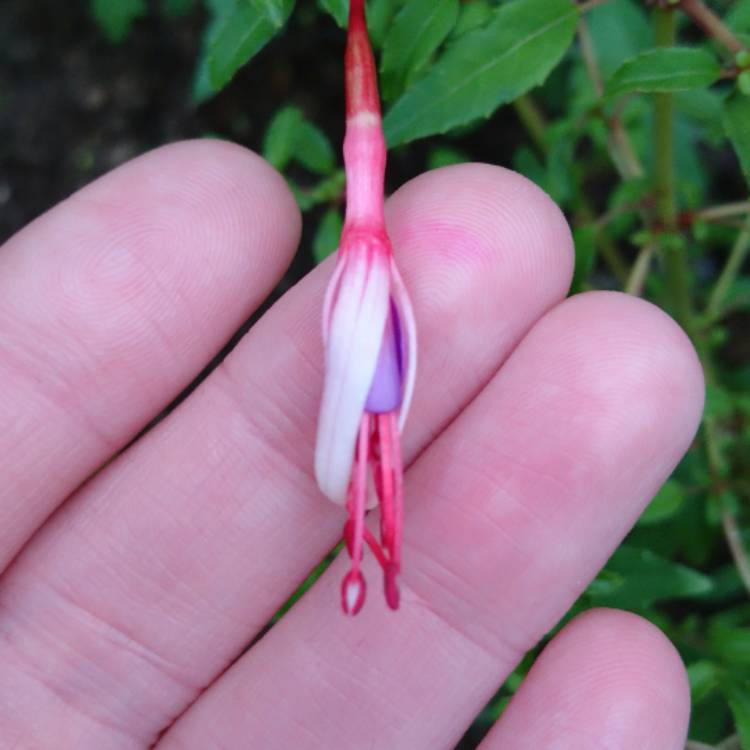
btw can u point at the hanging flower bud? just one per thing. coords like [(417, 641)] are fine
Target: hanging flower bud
[(370, 342)]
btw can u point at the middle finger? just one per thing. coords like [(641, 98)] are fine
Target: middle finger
[(512, 510)]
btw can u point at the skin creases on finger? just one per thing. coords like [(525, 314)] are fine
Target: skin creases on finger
[(155, 576), (608, 681), (113, 301), (511, 511)]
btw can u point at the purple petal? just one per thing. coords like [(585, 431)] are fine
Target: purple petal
[(408, 335), (386, 389)]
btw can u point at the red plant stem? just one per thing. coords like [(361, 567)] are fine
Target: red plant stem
[(364, 144)]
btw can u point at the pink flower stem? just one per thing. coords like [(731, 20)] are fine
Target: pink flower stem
[(364, 144)]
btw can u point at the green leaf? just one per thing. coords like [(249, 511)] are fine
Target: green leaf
[(328, 234), (649, 578), (584, 239), (605, 583), (220, 7), (116, 17), (339, 9), (242, 32), (202, 87), (485, 68), (738, 17), (273, 9), (443, 156), (703, 677), (290, 136), (702, 109), (379, 15), (330, 189), (731, 645), (738, 295), (737, 693), (668, 69), (472, 15), (666, 503), (727, 585), (702, 105), (562, 168), (719, 403), (626, 193), (619, 30), (736, 119), (418, 30), (280, 140), (178, 8), (313, 149), (527, 162)]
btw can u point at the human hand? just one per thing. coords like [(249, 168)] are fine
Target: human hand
[(539, 431)]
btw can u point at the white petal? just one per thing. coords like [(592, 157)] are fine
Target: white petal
[(406, 314), (332, 293), (355, 331)]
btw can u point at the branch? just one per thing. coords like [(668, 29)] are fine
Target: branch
[(533, 121), (589, 58), (621, 150), (732, 267), (735, 544), (715, 213), (675, 263), (535, 124), (732, 743), (585, 7), (639, 272), (704, 17)]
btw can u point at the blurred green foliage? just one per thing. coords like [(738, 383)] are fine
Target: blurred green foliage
[(638, 124)]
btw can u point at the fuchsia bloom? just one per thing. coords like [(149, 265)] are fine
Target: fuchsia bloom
[(370, 339)]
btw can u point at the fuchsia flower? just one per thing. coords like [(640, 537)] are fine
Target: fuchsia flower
[(370, 340)]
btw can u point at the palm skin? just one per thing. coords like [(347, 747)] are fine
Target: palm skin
[(133, 581)]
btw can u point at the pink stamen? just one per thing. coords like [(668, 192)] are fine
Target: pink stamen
[(355, 527), (376, 549), (384, 472), (390, 586), (353, 591), (378, 444), (398, 491)]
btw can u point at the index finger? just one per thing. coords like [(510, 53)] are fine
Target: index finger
[(114, 300)]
